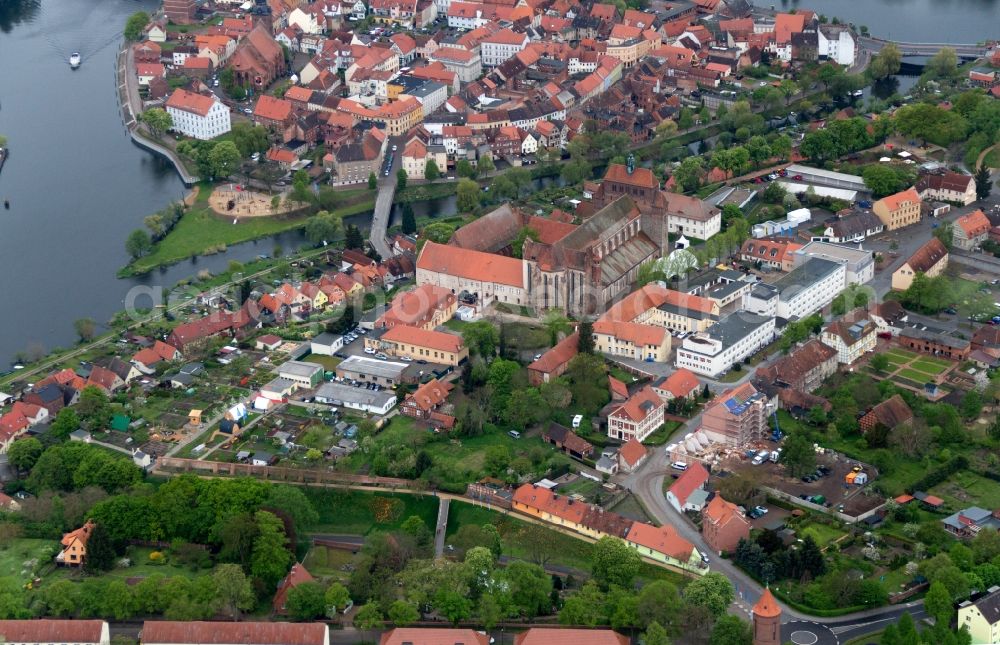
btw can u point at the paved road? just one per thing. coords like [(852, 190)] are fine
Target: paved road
[(384, 200), (442, 526)]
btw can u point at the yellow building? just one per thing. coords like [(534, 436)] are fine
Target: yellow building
[(930, 259), (899, 210), (418, 344), (982, 618)]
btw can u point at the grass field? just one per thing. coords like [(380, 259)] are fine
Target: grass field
[(329, 363), (913, 375), (966, 488), (15, 555), (821, 533), (901, 354), (201, 230), (359, 513), (930, 365)]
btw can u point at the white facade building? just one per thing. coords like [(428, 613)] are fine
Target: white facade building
[(860, 264), (728, 341), (836, 42), (198, 116), (806, 289), (505, 44)]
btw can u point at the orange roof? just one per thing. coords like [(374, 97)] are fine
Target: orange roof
[(281, 155), (415, 149), (506, 37), (562, 353), (635, 333), (423, 338), (546, 501), (894, 202), (159, 632), (433, 636), (632, 452), (642, 177), (618, 388), (690, 480), (149, 69), (718, 67), (773, 250), (298, 93), (453, 54), (786, 24), (681, 383), (650, 296), (975, 223), (719, 511), (562, 636), (640, 405), (625, 32), (190, 102), (430, 395), (197, 62), (603, 11), (269, 107), (82, 534), (295, 577), (663, 539), (417, 307), (767, 606), (471, 265), (53, 631)]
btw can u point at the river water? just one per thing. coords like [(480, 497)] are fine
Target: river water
[(930, 21)]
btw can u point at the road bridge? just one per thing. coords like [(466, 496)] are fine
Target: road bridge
[(967, 50)]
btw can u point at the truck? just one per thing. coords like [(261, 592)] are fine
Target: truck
[(775, 455)]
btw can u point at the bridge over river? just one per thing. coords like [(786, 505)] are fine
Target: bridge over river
[(970, 51)]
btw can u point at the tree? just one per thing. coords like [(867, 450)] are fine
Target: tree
[(984, 183), (660, 603), (353, 238), (452, 605), (688, 174), (431, 170), (881, 180), (584, 607), (712, 591), (485, 165), (529, 586), (157, 120), (372, 181), (402, 613), (306, 601), (336, 597), (481, 337), (234, 593), (942, 65), (85, 328), (655, 635), (23, 454), (270, 559), (585, 341), (409, 223), (323, 227), (614, 563), (401, 177), (886, 63), (468, 195), (138, 244), (759, 150), (368, 617), (66, 422), (576, 170), (945, 233), (100, 551), (798, 454), (879, 362), (93, 408), (135, 25), (938, 603), (731, 630), (250, 139), (224, 159)]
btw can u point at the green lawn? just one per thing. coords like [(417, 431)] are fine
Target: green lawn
[(900, 354), (359, 513), (328, 563), (662, 434), (822, 533), (966, 489), (18, 552), (913, 375), (329, 363), (930, 365), (201, 230)]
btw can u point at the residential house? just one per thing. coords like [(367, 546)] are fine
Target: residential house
[(426, 307), (296, 576), (951, 187), (146, 72), (568, 441), (792, 378), (688, 492), (931, 259), (899, 210), (850, 340), (981, 617), (737, 417), (640, 416), (197, 115), (433, 636), (681, 384), (969, 231), (665, 545), (554, 361), (968, 522), (777, 254), (273, 113), (853, 226), (723, 525), (889, 413), (147, 359), (632, 455), (74, 546), (424, 403), (692, 217)]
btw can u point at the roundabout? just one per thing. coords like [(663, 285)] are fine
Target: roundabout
[(805, 633)]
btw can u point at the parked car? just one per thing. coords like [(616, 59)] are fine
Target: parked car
[(369, 350), (761, 509)]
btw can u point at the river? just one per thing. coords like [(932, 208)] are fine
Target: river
[(931, 21)]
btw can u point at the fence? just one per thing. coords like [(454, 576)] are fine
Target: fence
[(280, 473), (843, 517)]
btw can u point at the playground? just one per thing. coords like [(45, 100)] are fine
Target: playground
[(235, 201)]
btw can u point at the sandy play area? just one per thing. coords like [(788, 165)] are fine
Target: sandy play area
[(245, 203)]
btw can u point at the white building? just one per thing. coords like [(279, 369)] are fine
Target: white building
[(326, 344), (728, 341), (860, 264), (198, 116), (851, 340), (301, 373), (356, 398), (836, 43), (505, 44), (806, 289), (638, 417), (692, 217), (310, 22)]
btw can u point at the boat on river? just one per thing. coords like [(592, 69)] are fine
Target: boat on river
[(74, 60)]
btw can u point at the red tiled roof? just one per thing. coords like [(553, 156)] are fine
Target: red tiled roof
[(719, 511), (433, 636), (163, 632), (690, 480), (767, 606), (562, 353), (618, 388), (471, 265), (545, 500), (423, 338), (632, 452), (563, 636), (635, 333), (549, 231), (928, 255), (894, 202), (975, 223), (681, 383), (640, 405), (295, 577), (52, 631), (663, 539), (198, 104), (650, 296), (430, 395), (642, 177), (269, 107)]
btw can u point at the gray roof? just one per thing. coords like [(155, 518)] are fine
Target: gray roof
[(278, 384), (942, 339), (835, 252), (735, 326), (989, 606), (372, 367), (856, 223), (326, 339), (299, 368), (726, 289), (811, 272), (355, 395)]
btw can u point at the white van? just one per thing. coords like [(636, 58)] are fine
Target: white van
[(760, 458), (515, 434), (577, 420), (679, 465)]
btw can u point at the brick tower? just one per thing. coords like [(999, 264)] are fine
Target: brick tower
[(767, 620)]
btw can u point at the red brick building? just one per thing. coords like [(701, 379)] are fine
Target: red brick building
[(723, 526)]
